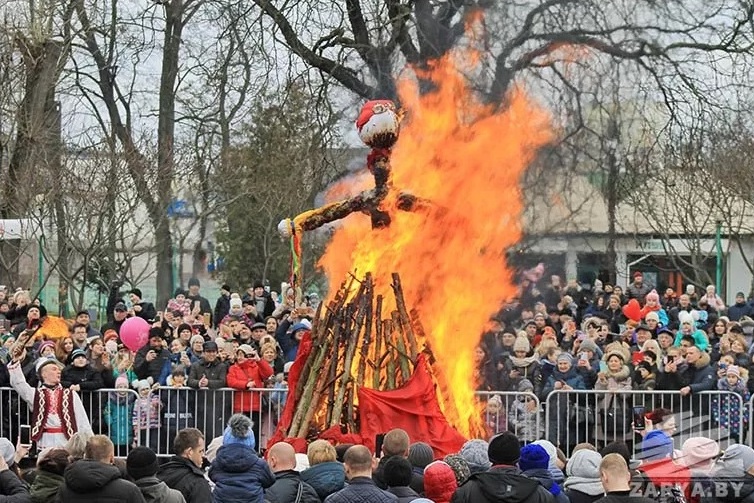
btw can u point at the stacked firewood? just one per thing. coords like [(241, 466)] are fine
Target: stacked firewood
[(357, 340)]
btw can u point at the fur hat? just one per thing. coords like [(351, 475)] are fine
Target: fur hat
[(504, 449), (533, 457), (685, 318), (420, 454), (617, 354), (521, 344), (475, 452), (239, 431), (142, 384), (141, 462)]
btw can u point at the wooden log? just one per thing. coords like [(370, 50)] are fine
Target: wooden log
[(367, 341), (400, 302), (333, 369), (400, 344), (390, 358), (351, 345), (379, 330), (307, 395)]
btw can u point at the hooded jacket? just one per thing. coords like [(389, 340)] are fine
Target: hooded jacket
[(156, 491), (89, 480), (542, 475), (46, 486), (326, 478), (583, 483), (502, 484), (241, 373), (12, 490), (240, 476), (183, 475)]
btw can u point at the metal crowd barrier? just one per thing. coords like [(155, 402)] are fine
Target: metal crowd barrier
[(566, 418), (603, 416), (518, 412)]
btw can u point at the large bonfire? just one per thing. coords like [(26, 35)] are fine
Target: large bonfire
[(467, 159)]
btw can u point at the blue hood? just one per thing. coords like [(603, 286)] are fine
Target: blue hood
[(235, 458)]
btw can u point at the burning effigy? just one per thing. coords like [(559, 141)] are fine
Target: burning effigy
[(422, 271)]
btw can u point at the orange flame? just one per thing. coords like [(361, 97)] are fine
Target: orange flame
[(467, 158)]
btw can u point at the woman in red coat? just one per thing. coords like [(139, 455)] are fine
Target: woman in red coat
[(247, 373)]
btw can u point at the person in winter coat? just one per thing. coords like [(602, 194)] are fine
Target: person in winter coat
[(150, 359), (96, 479), (520, 365), (222, 306), (740, 308), (734, 475), (612, 408), (534, 463), (118, 415), (726, 409), (207, 377), (659, 474), (358, 466), (563, 378), (140, 307), (699, 376), (12, 489), (183, 471), (503, 483), (324, 474), (398, 473), (249, 371), (51, 465), (288, 486), (583, 484), (240, 476), (523, 415), (688, 327), (142, 466), (653, 305), (81, 377)]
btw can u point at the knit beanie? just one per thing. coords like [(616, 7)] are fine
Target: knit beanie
[(565, 357), (439, 481), (420, 454), (460, 467), (239, 431), (522, 344), (588, 345), (733, 370), (141, 462), (475, 453), (504, 449), (533, 457), (652, 315), (121, 380), (525, 385)]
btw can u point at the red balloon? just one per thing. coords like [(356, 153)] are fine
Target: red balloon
[(632, 310), (134, 333)]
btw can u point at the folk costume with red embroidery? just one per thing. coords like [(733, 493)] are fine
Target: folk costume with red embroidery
[(57, 412)]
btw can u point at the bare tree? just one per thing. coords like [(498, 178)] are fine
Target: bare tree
[(98, 62)]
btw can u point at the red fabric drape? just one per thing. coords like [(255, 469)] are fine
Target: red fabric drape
[(412, 407)]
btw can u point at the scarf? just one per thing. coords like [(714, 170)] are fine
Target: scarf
[(522, 362)]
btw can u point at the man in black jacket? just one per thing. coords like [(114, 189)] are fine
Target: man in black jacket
[(288, 485), (222, 306), (183, 472), (151, 358), (616, 479), (213, 405), (503, 483), (397, 474), (396, 443), (194, 296), (95, 478), (141, 308), (358, 465)]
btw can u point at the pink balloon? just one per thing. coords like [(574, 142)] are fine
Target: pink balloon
[(134, 333)]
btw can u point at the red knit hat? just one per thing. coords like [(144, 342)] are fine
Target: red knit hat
[(439, 482)]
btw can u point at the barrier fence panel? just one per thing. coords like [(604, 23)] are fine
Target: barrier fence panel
[(518, 412), (153, 418), (602, 416)]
